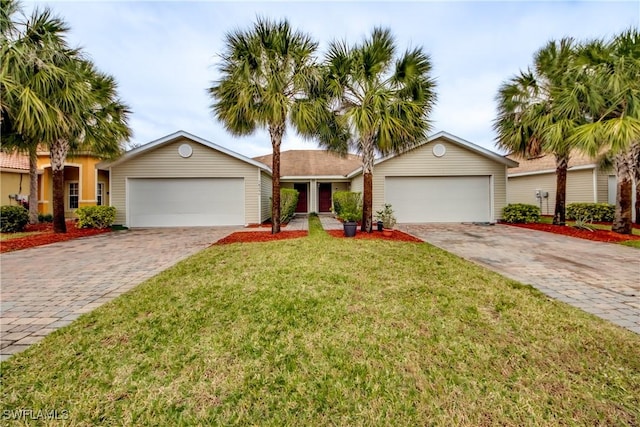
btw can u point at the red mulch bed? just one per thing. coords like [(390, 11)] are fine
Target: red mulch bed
[(259, 236), (47, 236), (397, 236), (596, 235)]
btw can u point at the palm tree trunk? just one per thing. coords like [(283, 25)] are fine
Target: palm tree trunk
[(368, 156), (622, 219), (33, 185), (276, 132), (58, 153), (562, 164), (637, 201), (635, 149)]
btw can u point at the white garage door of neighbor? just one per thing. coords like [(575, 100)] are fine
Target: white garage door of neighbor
[(185, 202), (440, 198)]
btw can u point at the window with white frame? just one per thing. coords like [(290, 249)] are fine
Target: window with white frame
[(100, 194), (74, 195)]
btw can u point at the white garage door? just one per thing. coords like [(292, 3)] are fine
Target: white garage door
[(440, 199), (185, 202)]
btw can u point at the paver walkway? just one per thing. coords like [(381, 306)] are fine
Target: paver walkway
[(329, 222), (47, 287), (600, 278)]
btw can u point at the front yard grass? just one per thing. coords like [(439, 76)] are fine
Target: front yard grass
[(325, 331)]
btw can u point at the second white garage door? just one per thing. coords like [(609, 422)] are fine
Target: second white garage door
[(440, 199), (185, 202)]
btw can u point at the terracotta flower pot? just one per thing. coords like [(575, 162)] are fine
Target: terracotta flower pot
[(387, 232)]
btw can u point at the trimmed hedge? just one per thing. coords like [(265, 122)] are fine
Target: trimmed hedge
[(45, 218), (347, 205), (598, 212), (288, 203), (520, 213), (13, 219), (95, 216)]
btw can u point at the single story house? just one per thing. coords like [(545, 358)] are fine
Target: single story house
[(184, 180), (446, 179), (84, 184), (534, 182)]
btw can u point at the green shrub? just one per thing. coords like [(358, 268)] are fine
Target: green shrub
[(520, 213), (598, 212), (96, 216), (347, 205), (288, 203), (45, 218), (13, 219)]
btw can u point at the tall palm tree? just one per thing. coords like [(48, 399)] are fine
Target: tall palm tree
[(265, 71), (52, 97), (89, 100), (527, 122), (34, 54), (378, 103), (611, 102)]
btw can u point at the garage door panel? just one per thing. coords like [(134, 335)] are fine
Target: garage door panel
[(183, 202), (440, 199)]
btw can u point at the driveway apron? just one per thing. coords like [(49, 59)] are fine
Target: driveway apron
[(600, 278), (47, 287)]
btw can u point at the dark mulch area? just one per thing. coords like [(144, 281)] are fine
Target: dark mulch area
[(259, 236), (396, 235), (47, 236), (596, 235)]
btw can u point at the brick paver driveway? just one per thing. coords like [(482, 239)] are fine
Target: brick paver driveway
[(47, 287), (600, 278)]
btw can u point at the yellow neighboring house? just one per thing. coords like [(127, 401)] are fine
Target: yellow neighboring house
[(84, 184), (14, 179)]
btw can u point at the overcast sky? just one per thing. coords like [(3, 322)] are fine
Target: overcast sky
[(164, 54)]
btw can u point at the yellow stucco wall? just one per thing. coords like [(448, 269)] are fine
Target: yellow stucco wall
[(80, 169), (13, 183)]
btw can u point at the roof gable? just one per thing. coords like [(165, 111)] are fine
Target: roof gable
[(136, 152), (454, 140)]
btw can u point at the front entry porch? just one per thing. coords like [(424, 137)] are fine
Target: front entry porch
[(316, 195)]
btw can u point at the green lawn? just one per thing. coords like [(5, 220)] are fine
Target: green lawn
[(323, 331)]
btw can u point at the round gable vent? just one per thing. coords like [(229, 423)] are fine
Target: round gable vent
[(439, 150), (185, 150)]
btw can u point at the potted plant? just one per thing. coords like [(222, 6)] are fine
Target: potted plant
[(387, 218), (349, 223), (348, 207)]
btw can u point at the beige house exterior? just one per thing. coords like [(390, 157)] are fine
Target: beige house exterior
[(184, 180), (587, 182), (446, 179)]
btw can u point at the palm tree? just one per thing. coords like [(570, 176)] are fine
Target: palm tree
[(611, 103), (54, 98), (265, 71), (378, 103), (89, 100), (33, 52), (528, 122)]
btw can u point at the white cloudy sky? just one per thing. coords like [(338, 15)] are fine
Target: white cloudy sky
[(164, 53)]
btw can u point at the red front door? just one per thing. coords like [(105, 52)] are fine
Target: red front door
[(324, 204), (301, 207)]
